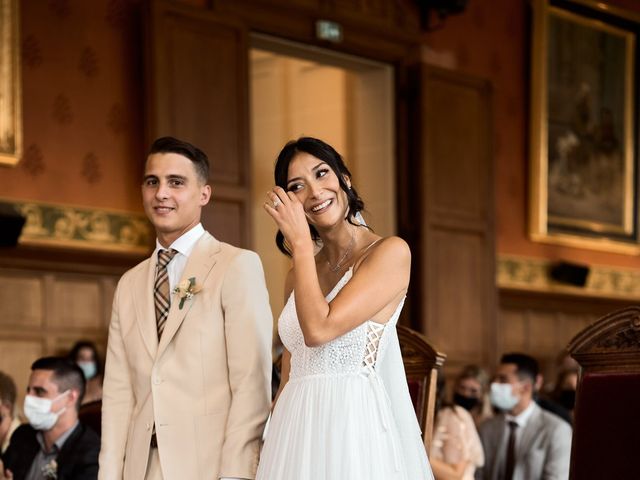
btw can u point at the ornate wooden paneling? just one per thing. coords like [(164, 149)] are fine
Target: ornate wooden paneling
[(44, 312), (452, 216), (542, 324), (21, 297), (75, 302), (16, 356)]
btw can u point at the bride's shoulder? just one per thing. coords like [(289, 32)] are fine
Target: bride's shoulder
[(389, 246), (384, 250)]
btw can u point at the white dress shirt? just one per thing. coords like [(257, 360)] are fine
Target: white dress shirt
[(184, 246), (521, 419)]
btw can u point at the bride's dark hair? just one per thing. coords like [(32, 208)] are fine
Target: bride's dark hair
[(325, 152)]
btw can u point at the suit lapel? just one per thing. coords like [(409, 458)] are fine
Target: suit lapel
[(68, 451), (529, 432), (500, 440), (145, 308), (199, 264)]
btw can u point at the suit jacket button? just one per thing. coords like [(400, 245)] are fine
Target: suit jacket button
[(148, 426), (157, 380)]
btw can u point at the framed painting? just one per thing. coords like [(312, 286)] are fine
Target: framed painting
[(583, 128), (10, 85)]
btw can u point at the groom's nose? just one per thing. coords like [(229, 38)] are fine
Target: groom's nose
[(162, 192)]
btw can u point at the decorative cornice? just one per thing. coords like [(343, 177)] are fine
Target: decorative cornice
[(84, 228), (532, 274)]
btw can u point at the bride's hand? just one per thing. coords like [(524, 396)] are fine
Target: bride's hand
[(288, 213)]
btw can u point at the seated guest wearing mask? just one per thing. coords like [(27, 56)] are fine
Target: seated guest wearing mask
[(524, 442), (456, 450), (85, 354), (8, 418), (565, 389), (470, 391), (55, 445)]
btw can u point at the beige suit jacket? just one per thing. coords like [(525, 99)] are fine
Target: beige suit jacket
[(205, 386)]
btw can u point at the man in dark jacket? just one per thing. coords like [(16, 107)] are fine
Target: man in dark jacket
[(55, 445)]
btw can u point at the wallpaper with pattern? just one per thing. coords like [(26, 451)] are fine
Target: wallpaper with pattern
[(82, 102)]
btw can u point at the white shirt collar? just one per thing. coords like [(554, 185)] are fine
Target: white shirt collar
[(184, 243), (522, 418)]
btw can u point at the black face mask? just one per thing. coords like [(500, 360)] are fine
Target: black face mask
[(567, 399), (465, 402)]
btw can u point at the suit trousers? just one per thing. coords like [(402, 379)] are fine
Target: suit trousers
[(154, 472)]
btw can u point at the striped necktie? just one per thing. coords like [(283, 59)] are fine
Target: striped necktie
[(161, 289)]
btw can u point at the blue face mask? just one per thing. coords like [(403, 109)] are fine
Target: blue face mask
[(89, 369), (502, 396)]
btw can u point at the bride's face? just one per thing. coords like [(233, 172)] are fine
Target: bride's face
[(317, 187)]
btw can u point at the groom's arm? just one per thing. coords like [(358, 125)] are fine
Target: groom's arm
[(117, 399), (248, 332)]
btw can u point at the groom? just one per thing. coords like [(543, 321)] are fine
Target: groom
[(187, 379)]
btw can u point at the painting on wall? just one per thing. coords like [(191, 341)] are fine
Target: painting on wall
[(10, 86), (583, 135)]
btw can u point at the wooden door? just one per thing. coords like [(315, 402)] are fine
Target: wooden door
[(452, 214), (197, 90)]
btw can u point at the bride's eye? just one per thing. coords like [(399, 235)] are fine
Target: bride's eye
[(294, 187), (322, 172)]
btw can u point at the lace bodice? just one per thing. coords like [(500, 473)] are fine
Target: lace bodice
[(360, 350)]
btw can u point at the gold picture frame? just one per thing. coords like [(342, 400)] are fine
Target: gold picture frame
[(583, 152), (10, 84)]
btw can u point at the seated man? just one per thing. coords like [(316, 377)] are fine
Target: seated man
[(523, 442), (8, 419), (54, 444)]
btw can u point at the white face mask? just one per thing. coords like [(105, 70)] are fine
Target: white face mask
[(88, 369), (502, 396), (38, 411)]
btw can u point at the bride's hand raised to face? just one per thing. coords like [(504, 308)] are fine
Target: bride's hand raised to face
[(288, 213)]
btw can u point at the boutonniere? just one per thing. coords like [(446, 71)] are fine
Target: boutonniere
[(50, 470), (186, 289)]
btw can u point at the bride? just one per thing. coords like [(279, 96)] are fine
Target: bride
[(343, 409)]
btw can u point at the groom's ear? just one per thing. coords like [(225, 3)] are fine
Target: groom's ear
[(205, 194)]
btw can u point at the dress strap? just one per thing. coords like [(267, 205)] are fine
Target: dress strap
[(363, 254)]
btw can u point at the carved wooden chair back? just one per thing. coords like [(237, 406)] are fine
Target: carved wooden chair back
[(606, 431), (421, 363)]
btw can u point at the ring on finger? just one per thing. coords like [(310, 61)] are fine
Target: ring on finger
[(276, 203)]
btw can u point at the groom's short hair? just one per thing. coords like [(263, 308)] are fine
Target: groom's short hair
[(66, 374), (173, 145)]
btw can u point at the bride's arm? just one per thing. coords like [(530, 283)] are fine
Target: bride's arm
[(381, 279)]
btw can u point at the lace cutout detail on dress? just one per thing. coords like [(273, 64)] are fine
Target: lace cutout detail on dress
[(374, 334)]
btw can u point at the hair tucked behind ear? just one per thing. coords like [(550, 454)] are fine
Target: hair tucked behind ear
[(325, 152)]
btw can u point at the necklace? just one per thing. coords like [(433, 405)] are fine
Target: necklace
[(339, 264)]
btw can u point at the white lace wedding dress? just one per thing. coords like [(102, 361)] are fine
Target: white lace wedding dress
[(345, 413)]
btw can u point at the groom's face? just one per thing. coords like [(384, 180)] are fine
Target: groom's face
[(172, 195)]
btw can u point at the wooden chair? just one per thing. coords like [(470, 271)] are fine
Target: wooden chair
[(421, 363), (606, 431)]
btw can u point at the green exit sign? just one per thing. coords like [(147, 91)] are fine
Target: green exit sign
[(328, 30)]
